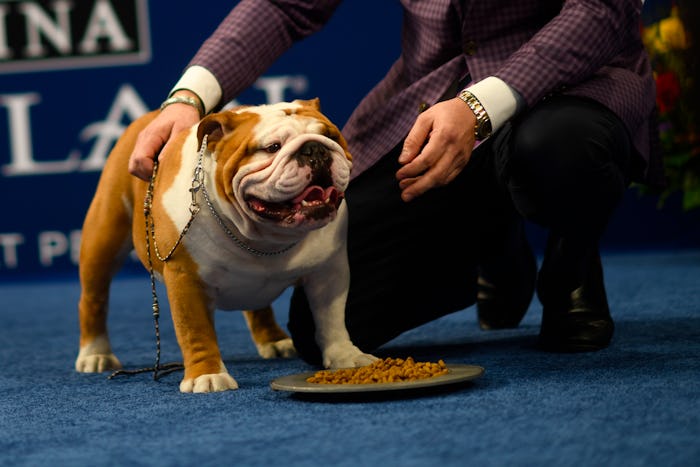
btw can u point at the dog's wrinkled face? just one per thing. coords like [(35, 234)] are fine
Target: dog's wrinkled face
[(285, 163)]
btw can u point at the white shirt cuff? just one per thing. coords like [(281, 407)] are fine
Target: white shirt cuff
[(499, 100), (202, 82)]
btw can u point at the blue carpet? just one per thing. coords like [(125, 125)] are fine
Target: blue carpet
[(636, 403)]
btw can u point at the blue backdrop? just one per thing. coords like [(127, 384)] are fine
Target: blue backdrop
[(73, 75)]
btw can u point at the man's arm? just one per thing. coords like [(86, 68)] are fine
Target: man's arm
[(253, 35), (582, 38)]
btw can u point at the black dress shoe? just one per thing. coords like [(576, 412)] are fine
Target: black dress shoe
[(503, 296), (578, 321)]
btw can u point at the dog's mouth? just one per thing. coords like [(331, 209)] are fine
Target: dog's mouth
[(318, 202), (314, 203)]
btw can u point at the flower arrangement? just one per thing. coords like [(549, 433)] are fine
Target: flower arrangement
[(667, 35)]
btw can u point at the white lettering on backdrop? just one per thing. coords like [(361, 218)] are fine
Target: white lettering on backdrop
[(127, 105), (22, 161)]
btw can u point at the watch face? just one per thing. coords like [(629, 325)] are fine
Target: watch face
[(483, 129)]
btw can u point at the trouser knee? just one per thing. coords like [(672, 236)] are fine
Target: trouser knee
[(565, 165)]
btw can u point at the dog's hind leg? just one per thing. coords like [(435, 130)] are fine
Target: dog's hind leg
[(269, 338), (105, 243)]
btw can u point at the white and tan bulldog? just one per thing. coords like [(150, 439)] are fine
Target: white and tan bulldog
[(260, 205)]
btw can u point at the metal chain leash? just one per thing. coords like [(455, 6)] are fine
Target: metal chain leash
[(158, 369)]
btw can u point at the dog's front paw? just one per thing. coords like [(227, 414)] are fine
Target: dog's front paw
[(97, 363), (346, 356), (97, 357), (209, 383), (279, 349)]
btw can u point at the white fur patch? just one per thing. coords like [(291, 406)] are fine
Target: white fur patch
[(283, 348), (177, 198), (97, 357), (217, 382)]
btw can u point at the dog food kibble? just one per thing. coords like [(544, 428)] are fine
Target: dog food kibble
[(388, 370)]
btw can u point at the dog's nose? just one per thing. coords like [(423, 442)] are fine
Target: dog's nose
[(313, 154)]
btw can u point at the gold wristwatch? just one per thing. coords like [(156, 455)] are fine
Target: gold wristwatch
[(482, 129)]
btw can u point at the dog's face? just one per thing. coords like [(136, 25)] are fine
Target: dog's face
[(285, 164)]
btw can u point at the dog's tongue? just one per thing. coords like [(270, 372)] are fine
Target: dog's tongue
[(316, 193)]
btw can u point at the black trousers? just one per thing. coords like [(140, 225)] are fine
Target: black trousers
[(564, 165)]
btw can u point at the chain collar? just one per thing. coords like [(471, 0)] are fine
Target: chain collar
[(197, 184)]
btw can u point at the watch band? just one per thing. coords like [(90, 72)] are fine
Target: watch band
[(482, 129)]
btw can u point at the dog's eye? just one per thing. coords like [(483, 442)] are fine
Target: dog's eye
[(273, 148)]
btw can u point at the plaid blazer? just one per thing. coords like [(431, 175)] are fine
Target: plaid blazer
[(539, 47)]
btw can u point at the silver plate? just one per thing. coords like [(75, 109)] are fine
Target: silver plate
[(457, 373)]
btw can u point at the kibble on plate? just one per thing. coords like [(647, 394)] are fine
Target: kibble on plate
[(388, 370)]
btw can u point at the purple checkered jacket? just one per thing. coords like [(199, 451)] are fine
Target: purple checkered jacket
[(579, 47)]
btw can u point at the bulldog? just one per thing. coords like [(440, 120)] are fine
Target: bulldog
[(243, 205)]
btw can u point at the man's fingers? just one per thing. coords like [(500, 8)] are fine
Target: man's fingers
[(406, 182), (433, 172), (414, 168), (153, 139), (141, 167), (427, 157), (432, 178), (149, 144), (415, 140), (416, 187), (145, 152)]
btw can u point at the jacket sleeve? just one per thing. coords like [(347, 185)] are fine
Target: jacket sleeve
[(582, 38), (254, 34)]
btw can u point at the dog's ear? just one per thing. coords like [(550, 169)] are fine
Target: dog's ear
[(215, 126), (314, 103)]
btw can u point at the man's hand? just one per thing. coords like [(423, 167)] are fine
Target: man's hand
[(437, 148), (152, 139)]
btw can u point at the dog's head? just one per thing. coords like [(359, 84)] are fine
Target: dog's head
[(284, 164)]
